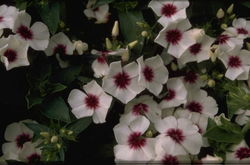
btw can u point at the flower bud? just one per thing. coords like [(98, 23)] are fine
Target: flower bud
[(140, 24), (125, 56), (58, 145), (144, 33), (232, 16), (132, 44), (45, 134), (246, 98), (219, 76), (217, 119), (62, 24), (220, 13), (108, 44), (174, 67), (149, 134), (54, 139), (204, 77), (211, 83), (62, 130), (230, 9), (248, 45), (214, 52), (80, 46), (198, 33), (115, 30), (70, 132), (223, 26)]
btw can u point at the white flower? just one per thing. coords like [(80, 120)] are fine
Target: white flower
[(8, 156), (122, 82), (200, 50), (100, 13), (243, 116), (37, 35), (7, 14), (94, 103), (144, 105), (240, 154), (30, 154), (169, 11), (80, 47), (17, 134), (152, 74), (214, 52), (237, 63), (177, 36), (178, 136), (177, 93), (192, 80), (13, 52), (227, 41), (240, 29), (131, 147), (212, 159)]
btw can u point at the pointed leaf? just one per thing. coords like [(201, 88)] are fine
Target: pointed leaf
[(53, 88), (37, 128), (79, 125), (33, 98)]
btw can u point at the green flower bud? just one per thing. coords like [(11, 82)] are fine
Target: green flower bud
[(174, 67), (220, 13), (54, 139), (70, 132), (59, 145), (144, 33), (149, 134), (230, 9), (211, 83), (204, 77), (246, 98), (45, 134), (108, 44)]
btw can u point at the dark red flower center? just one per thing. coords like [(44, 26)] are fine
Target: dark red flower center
[(11, 55), (168, 10), (92, 101), (176, 135), (148, 73), (170, 95), (21, 139), (34, 159), (60, 49), (173, 36), (194, 107), (242, 153), (170, 160), (242, 31), (25, 32), (140, 109), (122, 80), (195, 49), (1, 18), (190, 77), (234, 62), (223, 38), (135, 141), (95, 9), (101, 59)]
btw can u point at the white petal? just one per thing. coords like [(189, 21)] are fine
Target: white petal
[(76, 98), (156, 7), (93, 88), (99, 115), (232, 73), (122, 132), (148, 149), (140, 124), (193, 143), (82, 111)]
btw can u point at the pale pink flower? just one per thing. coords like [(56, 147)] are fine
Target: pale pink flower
[(177, 36), (237, 63), (132, 147), (240, 29), (152, 74), (178, 136), (228, 41), (122, 82), (7, 14), (94, 103), (169, 11), (192, 80), (36, 35), (240, 154), (13, 52), (30, 154)]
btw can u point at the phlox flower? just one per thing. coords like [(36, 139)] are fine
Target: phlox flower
[(198, 101), (177, 94), (30, 154), (13, 52), (169, 11), (211, 159), (122, 82), (228, 41), (177, 36), (60, 45), (36, 35), (178, 136), (237, 63), (94, 102), (8, 156), (17, 134), (152, 74), (192, 80), (240, 154), (200, 50), (240, 29), (144, 105), (132, 147), (7, 14), (100, 13)]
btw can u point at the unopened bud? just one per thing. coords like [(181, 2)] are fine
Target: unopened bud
[(63, 130), (62, 24), (118, 47), (198, 33), (80, 46), (125, 56), (174, 67), (230, 9), (144, 33), (45, 134), (149, 134), (140, 24), (132, 44), (219, 76), (70, 132), (46, 142), (58, 145), (220, 13), (248, 45), (232, 16), (115, 30), (204, 77), (223, 26), (54, 139), (246, 98), (211, 83), (108, 44)]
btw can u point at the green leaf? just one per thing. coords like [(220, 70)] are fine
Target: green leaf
[(21, 5), (230, 127), (220, 135), (84, 80), (65, 76), (79, 125), (37, 128), (246, 3), (101, 2), (53, 88), (50, 14), (62, 154), (54, 107), (33, 98), (211, 123), (130, 29)]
